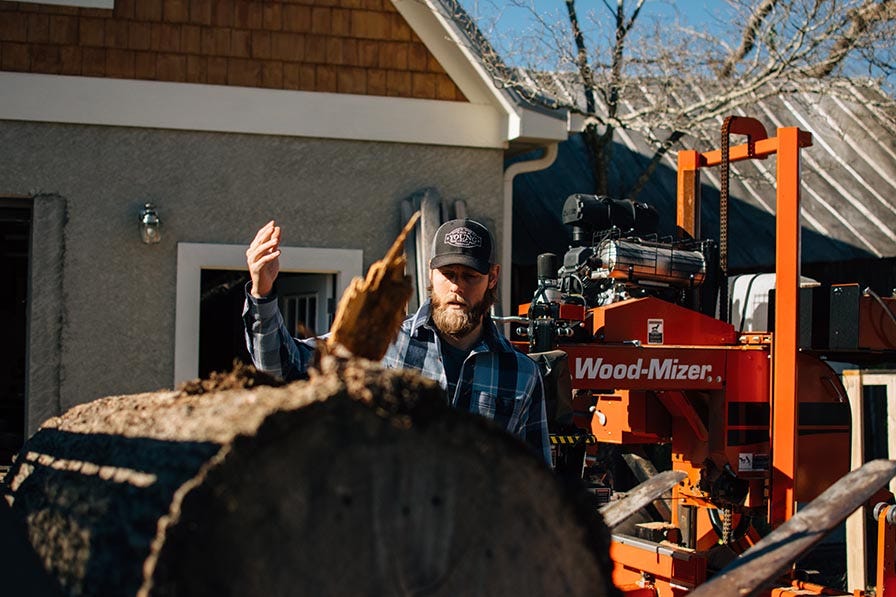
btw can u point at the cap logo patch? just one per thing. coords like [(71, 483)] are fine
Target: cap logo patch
[(464, 238)]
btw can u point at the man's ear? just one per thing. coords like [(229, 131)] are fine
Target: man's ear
[(493, 275)]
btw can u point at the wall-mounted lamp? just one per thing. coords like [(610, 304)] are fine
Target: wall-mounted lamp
[(150, 225)]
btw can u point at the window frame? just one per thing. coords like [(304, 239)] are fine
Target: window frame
[(192, 258)]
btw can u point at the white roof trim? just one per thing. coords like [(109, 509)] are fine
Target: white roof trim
[(187, 106), (443, 39)]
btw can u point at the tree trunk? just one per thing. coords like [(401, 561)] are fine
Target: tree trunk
[(600, 150), (360, 481)]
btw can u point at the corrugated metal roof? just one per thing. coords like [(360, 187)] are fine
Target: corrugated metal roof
[(848, 190)]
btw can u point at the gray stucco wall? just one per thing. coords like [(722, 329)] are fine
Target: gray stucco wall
[(116, 302)]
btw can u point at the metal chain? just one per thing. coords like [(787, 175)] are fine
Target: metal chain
[(725, 166)]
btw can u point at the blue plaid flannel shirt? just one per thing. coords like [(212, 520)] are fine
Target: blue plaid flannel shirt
[(496, 381)]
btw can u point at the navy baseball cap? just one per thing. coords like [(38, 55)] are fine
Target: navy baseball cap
[(463, 242)]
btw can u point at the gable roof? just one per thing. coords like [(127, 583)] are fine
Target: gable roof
[(455, 39), (367, 70)]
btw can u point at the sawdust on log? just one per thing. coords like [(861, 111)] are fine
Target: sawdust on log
[(242, 376)]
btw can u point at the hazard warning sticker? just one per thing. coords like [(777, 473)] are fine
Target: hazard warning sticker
[(747, 462), (654, 331)]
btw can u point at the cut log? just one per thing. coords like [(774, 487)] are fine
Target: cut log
[(21, 570), (360, 481)]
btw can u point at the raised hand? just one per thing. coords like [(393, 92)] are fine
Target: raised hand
[(263, 259)]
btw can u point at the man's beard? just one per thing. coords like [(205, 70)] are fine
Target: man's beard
[(455, 322)]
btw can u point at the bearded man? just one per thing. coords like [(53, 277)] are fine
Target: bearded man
[(450, 339)]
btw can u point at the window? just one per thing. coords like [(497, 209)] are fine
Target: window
[(339, 265)]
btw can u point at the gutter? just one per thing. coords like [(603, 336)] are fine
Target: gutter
[(542, 163)]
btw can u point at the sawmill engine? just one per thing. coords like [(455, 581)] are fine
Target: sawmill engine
[(616, 254)]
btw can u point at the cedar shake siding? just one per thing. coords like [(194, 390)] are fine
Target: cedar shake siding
[(343, 46)]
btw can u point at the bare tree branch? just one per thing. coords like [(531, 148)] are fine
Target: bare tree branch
[(667, 144), (581, 55), (861, 20), (748, 42), (622, 75)]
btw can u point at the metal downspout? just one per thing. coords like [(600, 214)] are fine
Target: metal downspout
[(550, 154)]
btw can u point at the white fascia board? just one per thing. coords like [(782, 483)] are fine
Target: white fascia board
[(576, 122), (536, 125), (187, 106), (444, 41)]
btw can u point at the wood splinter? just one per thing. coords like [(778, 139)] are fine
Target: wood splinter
[(370, 312)]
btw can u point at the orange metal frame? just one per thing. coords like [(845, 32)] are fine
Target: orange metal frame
[(627, 374), (787, 147), (671, 573), (886, 554)]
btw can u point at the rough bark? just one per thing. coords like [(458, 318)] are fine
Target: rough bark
[(21, 570), (360, 481)]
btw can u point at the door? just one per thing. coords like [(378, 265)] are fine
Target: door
[(15, 231)]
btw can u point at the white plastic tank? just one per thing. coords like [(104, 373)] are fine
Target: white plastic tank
[(748, 300)]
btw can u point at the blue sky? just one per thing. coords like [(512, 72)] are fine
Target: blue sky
[(693, 12), (698, 10), (714, 16), (506, 24)]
